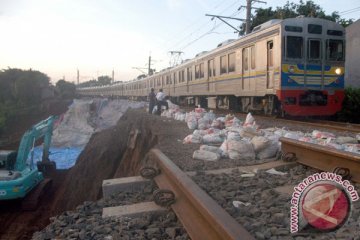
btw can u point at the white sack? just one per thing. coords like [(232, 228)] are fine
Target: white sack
[(205, 155)]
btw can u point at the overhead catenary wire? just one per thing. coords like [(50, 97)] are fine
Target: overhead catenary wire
[(206, 33), (193, 23), (201, 27), (349, 11)]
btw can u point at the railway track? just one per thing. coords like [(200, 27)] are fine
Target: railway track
[(322, 158), (204, 218), (201, 216)]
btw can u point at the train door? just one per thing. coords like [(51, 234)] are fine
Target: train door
[(188, 78), (211, 73), (315, 63), (270, 65), (245, 69)]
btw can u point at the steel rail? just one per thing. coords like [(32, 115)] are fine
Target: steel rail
[(201, 216), (321, 157)]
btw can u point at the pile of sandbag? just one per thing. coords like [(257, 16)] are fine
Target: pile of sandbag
[(246, 141)]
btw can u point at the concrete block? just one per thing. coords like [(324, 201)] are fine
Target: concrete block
[(134, 210), (128, 184)]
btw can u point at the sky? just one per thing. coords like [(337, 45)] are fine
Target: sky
[(57, 37)]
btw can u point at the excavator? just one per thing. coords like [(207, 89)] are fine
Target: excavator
[(20, 178)]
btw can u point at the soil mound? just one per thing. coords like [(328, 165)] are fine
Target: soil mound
[(115, 152)]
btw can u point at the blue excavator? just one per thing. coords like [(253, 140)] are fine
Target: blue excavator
[(20, 177)]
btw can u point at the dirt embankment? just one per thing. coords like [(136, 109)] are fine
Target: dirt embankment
[(116, 152), (112, 153)]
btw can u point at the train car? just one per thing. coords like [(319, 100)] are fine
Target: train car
[(293, 66)]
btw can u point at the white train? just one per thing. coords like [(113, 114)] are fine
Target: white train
[(293, 66)]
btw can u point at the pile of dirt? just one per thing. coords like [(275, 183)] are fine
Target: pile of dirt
[(114, 152)]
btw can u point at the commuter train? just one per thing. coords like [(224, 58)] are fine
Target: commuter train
[(292, 66)]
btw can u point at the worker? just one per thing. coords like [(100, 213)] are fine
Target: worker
[(161, 101), (152, 100)]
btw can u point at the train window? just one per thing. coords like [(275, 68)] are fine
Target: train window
[(314, 28), (245, 59), (197, 71), (335, 50), (223, 64), (253, 65), (294, 47), (211, 69), (293, 29), (175, 79), (182, 75), (189, 74), (167, 80), (201, 70), (335, 32), (314, 49), (231, 62)]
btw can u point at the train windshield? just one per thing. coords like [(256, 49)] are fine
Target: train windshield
[(294, 47), (335, 50)]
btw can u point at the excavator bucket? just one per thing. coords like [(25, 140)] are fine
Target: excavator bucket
[(46, 166)]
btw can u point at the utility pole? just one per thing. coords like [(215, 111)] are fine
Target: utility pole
[(78, 77), (113, 74), (248, 13), (149, 69)]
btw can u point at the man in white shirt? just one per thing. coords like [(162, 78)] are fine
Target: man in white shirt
[(161, 101)]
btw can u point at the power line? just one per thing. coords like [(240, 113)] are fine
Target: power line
[(201, 27), (350, 11), (206, 33)]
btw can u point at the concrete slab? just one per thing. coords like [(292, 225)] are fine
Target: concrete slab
[(134, 210), (128, 184)]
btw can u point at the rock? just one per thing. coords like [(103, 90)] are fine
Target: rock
[(152, 232), (171, 232), (278, 218), (259, 235)]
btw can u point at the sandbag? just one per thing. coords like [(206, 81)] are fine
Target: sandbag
[(240, 150), (344, 140), (192, 138), (212, 138), (260, 143), (270, 151), (205, 155), (210, 148)]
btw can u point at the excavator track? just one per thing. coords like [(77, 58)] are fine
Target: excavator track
[(31, 201)]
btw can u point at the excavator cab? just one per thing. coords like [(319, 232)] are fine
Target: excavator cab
[(19, 176)]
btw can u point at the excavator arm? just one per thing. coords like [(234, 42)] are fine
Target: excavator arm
[(42, 129)]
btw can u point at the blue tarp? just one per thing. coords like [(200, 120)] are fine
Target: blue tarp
[(64, 157)]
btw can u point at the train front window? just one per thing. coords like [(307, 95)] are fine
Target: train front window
[(314, 49), (335, 50), (294, 47)]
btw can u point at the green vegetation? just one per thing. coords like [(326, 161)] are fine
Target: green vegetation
[(351, 106), (66, 89), (23, 91), (101, 81), (291, 10)]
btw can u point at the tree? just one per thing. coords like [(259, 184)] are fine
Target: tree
[(66, 89), (104, 80), (22, 87), (291, 10)]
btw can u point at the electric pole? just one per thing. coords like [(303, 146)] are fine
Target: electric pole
[(248, 13), (113, 74), (78, 77)]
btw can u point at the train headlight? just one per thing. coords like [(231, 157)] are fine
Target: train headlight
[(291, 69), (338, 71)]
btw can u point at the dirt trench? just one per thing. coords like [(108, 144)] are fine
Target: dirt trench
[(112, 153)]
